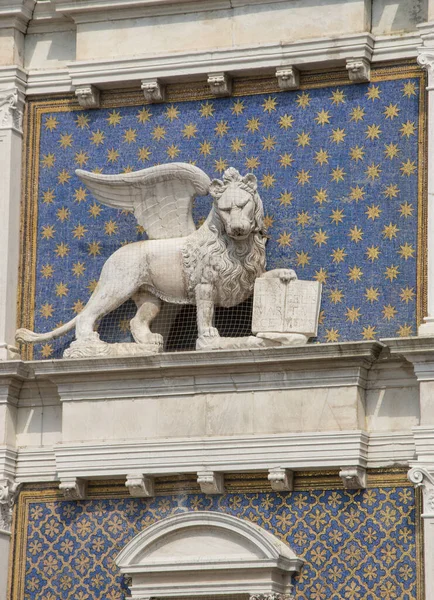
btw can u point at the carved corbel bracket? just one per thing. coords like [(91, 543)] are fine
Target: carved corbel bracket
[(353, 478), (73, 488), (288, 78), (424, 478), (220, 84), (11, 109), (153, 90), (88, 96), (359, 69), (9, 491), (271, 596), (282, 480), (211, 482), (140, 486)]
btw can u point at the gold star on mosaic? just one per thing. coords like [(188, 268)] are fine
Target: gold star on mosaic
[(303, 218), (336, 295), (389, 312), (321, 317), (127, 169), (268, 180), (406, 294), (63, 177), (95, 210), (286, 198), (269, 105), (286, 160), (77, 307), (357, 153), (80, 195), (357, 114), (82, 121), (268, 222), (158, 133), (338, 255), (144, 115), (391, 191), (51, 123), (46, 310), (78, 269), (373, 212), (338, 97), (409, 89), (63, 213), (391, 150), (130, 136), (205, 148), (406, 251), (238, 107), (303, 139), (253, 124), (112, 155), (110, 227), (373, 171), (408, 168), (338, 135), (61, 289), (79, 231), (355, 234), (172, 112), (65, 140), (173, 151), (114, 118), (91, 286), (221, 128), (355, 274), (322, 157), (48, 232), (372, 294), (391, 111), (286, 121), (97, 170), (332, 335), (321, 196), (237, 145), (303, 258), (303, 100), (373, 132), (391, 272), (143, 153), (220, 165), (321, 276), (269, 142), (62, 250), (284, 239), (124, 325), (390, 231), (357, 193), (252, 162), (338, 174), (189, 131), (337, 216), (46, 350), (369, 332), (206, 110), (405, 330), (48, 196), (406, 209), (353, 314), (372, 253), (322, 117), (48, 161), (94, 248), (408, 129), (47, 271), (303, 177), (81, 158), (373, 92), (320, 238)]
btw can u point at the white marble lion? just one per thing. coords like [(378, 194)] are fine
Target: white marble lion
[(214, 265)]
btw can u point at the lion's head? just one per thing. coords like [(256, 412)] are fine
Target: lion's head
[(238, 204)]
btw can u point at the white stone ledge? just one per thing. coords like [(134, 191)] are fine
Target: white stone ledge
[(388, 449), (35, 464)]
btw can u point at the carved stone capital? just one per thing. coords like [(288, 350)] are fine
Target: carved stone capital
[(359, 69), (281, 479), (424, 478), (271, 596), (153, 90), (426, 60), (211, 482), (11, 109), (288, 78), (220, 84), (73, 488), (140, 486), (88, 96), (353, 478), (8, 494)]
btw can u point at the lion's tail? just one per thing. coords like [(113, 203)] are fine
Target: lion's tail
[(30, 337)]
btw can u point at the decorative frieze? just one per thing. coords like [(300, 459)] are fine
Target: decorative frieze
[(272, 596), (220, 84), (8, 495), (88, 96), (211, 482), (281, 480), (140, 486), (73, 488), (288, 78), (353, 478), (359, 70), (153, 90)]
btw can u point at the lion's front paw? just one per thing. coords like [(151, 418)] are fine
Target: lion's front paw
[(209, 332), (287, 275)]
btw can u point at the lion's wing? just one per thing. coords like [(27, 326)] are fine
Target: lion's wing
[(160, 197)]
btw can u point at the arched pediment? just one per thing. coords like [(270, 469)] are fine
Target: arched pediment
[(198, 553)]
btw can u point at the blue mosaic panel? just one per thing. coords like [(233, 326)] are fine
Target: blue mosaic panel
[(338, 174), (357, 545)]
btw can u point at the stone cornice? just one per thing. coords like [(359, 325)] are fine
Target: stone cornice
[(16, 14)]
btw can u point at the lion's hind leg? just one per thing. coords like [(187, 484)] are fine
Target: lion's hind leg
[(148, 307)]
